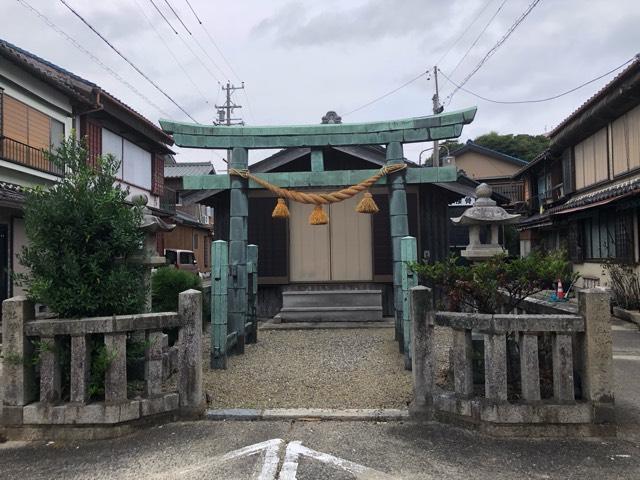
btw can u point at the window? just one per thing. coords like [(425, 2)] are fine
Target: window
[(195, 241), (135, 167), (171, 256), (186, 258), (608, 234)]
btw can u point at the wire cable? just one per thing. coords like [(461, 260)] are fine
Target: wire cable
[(133, 65), (163, 17), (464, 32), (213, 42), (91, 56), (540, 100), (195, 55), (475, 42), (381, 97), (173, 55), (177, 16), (495, 48)]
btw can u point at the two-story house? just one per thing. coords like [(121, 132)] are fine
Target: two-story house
[(485, 165), (584, 191), (40, 104), (194, 222)]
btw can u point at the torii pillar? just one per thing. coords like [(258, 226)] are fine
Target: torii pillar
[(238, 237), (399, 220)]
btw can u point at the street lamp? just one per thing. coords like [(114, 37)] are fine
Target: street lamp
[(445, 161)]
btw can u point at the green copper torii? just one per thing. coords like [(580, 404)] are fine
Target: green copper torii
[(240, 139)]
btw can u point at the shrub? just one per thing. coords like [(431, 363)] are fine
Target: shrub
[(479, 286), (625, 286), (82, 236), (166, 285)]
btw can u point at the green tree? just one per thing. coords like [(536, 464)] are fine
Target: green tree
[(82, 236), (481, 285), (523, 146)]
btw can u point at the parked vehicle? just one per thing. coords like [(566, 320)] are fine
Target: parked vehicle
[(182, 259)]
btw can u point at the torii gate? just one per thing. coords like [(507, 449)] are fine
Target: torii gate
[(239, 139)]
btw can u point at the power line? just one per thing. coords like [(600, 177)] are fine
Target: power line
[(195, 55), (387, 94), (121, 55), (464, 32), (173, 55), (95, 59), (540, 100), (163, 17), (177, 16), (194, 12), (479, 36), (498, 44), (215, 64), (213, 42)]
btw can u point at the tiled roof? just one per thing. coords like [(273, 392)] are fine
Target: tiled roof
[(634, 65), (80, 89), (11, 192), (185, 169), (626, 187)]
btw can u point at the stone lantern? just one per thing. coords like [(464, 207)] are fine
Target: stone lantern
[(484, 212), (150, 258)]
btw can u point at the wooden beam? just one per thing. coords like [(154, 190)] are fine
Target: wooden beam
[(336, 178), (420, 129)]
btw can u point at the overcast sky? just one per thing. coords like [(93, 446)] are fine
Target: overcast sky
[(299, 59)]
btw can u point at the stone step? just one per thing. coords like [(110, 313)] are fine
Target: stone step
[(332, 314), (332, 298)]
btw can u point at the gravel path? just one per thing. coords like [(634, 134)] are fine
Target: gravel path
[(355, 368)]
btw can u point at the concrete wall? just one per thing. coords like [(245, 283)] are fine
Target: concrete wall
[(478, 166)]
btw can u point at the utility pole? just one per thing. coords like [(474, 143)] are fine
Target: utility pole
[(437, 108), (225, 111)]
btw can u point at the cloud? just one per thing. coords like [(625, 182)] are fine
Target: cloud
[(297, 25)]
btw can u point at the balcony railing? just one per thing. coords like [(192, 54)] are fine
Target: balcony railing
[(23, 154), (168, 199), (513, 191)]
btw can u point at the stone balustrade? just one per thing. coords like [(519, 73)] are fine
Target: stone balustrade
[(581, 359), (24, 403)]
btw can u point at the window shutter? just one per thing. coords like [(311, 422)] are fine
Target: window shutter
[(157, 186), (624, 236)]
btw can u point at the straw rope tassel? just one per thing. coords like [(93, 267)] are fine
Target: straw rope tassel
[(281, 210), (318, 216), (367, 204)]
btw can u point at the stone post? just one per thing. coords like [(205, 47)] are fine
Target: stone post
[(399, 221), (495, 366), (190, 353), (80, 368), (408, 253), (252, 303), (115, 378), (597, 353), (18, 376), (238, 281), (219, 303), (422, 347), (153, 363)]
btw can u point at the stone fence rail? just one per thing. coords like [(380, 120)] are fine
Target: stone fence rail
[(581, 358), (24, 403)]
